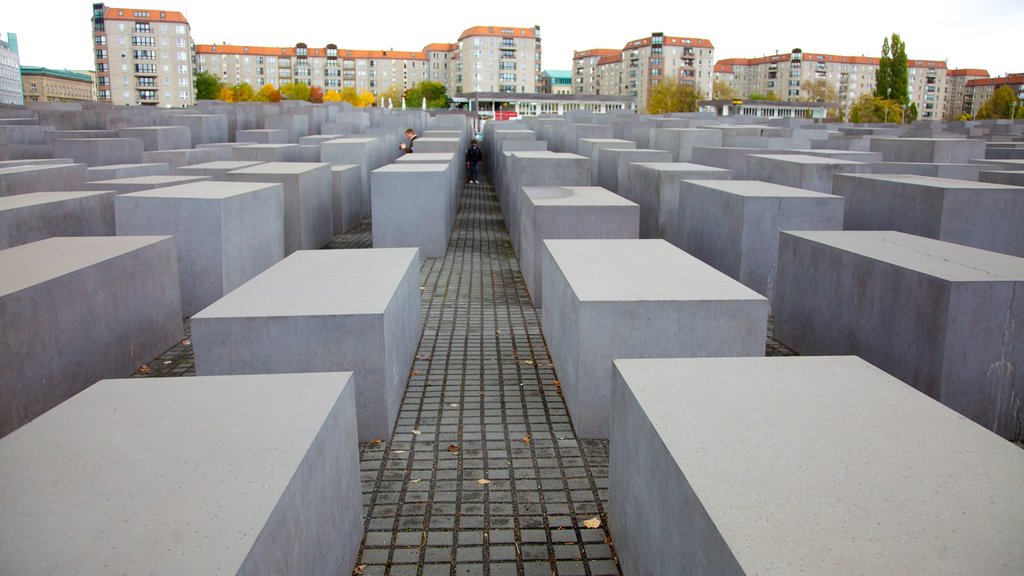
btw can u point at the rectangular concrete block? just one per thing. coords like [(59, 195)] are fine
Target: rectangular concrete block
[(243, 474), (734, 225), (978, 214), (266, 153), (413, 207), (359, 151), (829, 448), (539, 169), (76, 310), (1007, 177), (735, 160), (125, 185), (939, 316), (613, 163), (801, 171), (225, 232), (308, 200), (42, 178), (355, 310), (118, 171), (680, 142), (954, 171), (265, 136), (215, 170), (345, 188), (40, 215), (668, 302), (589, 147), (184, 157), (100, 151), (205, 128), (654, 186), (159, 137), (562, 212), (934, 150)]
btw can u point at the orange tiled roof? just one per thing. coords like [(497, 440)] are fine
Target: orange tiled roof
[(968, 72), (129, 14), (998, 81), (671, 41), (577, 54), (243, 50), (610, 59), (440, 47), (813, 57), (497, 31)]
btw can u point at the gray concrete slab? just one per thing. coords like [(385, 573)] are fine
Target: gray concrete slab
[(36, 216), (654, 186), (1007, 177), (215, 170), (539, 169), (184, 157), (413, 206), (266, 153), (248, 474), (954, 171), (978, 214), (680, 142), (831, 448), (670, 303), (589, 147), (735, 160), (734, 225), (118, 171), (225, 232), (345, 191), (308, 200), (125, 185), (613, 163), (159, 137), (359, 151), (357, 310), (934, 150), (42, 178), (100, 151), (939, 316), (801, 171), (77, 310), (561, 212), (262, 136)]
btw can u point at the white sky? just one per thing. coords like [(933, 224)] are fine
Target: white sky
[(967, 34)]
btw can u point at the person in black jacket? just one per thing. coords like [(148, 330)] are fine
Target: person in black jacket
[(473, 157), (407, 148)]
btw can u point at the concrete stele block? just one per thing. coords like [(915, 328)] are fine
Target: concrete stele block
[(345, 187), (42, 178), (308, 200), (242, 474), (802, 171), (589, 147), (563, 212), (1008, 177), (359, 151), (978, 214), (654, 186), (118, 171), (100, 151), (159, 137), (734, 225), (266, 153), (126, 185), (668, 302), (225, 232), (939, 316), (356, 310), (40, 215), (932, 150), (829, 448), (76, 310), (613, 162), (215, 170), (413, 206)]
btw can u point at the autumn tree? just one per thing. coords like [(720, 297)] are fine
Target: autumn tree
[(207, 86), (226, 94), (364, 99), (332, 96), (435, 93), (243, 92), (295, 91), (1002, 104), (669, 97), (874, 109), (723, 90), (391, 96), (891, 76), (818, 90), (316, 95), (268, 93)]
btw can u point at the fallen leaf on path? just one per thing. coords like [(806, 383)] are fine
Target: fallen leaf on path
[(483, 481), (145, 370), (453, 448), (592, 523), (417, 432)]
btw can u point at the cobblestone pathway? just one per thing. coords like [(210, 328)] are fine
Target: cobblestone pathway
[(483, 474)]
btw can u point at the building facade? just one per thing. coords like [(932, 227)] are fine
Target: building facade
[(556, 82), (143, 57), (979, 90), (644, 63), (497, 59), (46, 85), (791, 76), (956, 90), (10, 71)]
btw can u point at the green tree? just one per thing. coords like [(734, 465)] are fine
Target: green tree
[(391, 96), (1002, 104), (669, 97), (758, 96), (891, 76), (207, 86), (818, 90), (295, 91), (435, 93), (873, 109), (723, 90)]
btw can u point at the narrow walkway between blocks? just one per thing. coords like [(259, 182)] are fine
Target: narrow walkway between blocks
[(483, 474)]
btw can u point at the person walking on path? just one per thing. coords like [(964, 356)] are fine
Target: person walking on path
[(473, 157)]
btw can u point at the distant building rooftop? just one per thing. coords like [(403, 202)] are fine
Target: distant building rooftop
[(65, 74)]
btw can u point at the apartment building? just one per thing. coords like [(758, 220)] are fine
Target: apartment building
[(497, 59), (10, 71), (330, 67), (785, 75), (643, 64), (143, 57), (556, 82), (956, 90), (441, 63), (46, 85), (979, 90)]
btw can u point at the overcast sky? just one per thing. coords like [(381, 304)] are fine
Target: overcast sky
[(966, 34)]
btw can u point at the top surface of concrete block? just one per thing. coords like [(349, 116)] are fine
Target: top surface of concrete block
[(932, 182), (54, 257), (227, 165), (759, 189), (164, 180), (351, 141), (945, 260), (413, 168), (319, 283), (163, 478), (426, 157), (206, 190), (281, 168), (679, 167), (805, 159), (36, 198), (640, 270), (574, 196), (530, 154), (835, 455)]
